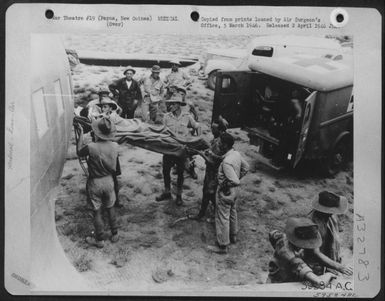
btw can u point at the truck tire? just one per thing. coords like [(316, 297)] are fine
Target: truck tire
[(338, 158), (211, 79)]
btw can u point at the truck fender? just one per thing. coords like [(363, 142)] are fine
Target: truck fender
[(343, 135), (217, 65)]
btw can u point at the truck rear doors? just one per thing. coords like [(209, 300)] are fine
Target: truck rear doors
[(307, 116), (232, 91), (234, 100)]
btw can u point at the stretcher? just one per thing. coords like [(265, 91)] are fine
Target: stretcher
[(158, 139)]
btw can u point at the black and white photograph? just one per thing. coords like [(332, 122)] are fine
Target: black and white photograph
[(200, 164)]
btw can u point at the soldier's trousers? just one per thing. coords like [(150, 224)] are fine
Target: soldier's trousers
[(168, 162), (226, 220)]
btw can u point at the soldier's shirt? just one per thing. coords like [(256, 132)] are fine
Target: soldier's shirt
[(153, 87), (232, 168), (180, 125), (331, 242), (178, 78), (287, 264)]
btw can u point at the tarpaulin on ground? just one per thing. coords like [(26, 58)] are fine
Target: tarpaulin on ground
[(151, 137)]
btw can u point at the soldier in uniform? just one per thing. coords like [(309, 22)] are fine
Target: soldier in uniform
[(180, 124), (288, 264), (128, 92), (102, 157), (177, 77), (231, 170), (109, 109), (325, 209), (153, 90), (213, 158)]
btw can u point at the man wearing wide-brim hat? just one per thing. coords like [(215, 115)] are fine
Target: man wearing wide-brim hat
[(180, 124), (288, 264), (177, 77), (102, 157), (189, 108), (326, 206), (153, 92), (107, 101), (128, 93)]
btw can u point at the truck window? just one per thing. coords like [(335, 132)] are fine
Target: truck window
[(40, 111), (263, 51), (58, 97), (228, 84)]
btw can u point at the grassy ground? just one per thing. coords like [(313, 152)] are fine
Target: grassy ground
[(150, 254)]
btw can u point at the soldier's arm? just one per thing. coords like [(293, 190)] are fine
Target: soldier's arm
[(162, 90), (326, 261), (231, 176), (297, 108), (244, 167), (193, 111), (139, 94), (192, 123), (186, 78), (166, 80), (81, 147), (305, 273)]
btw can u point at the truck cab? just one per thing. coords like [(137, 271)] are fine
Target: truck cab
[(294, 108)]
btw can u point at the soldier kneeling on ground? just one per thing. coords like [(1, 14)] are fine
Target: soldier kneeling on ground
[(288, 264), (325, 209)]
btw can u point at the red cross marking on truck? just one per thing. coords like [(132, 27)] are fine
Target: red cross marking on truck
[(314, 62)]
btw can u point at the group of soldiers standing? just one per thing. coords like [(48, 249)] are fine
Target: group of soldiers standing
[(303, 252), (224, 166), (156, 91)]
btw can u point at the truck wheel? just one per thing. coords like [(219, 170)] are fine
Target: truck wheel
[(338, 158), (211, 79)]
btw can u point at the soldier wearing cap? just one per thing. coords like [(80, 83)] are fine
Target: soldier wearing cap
[(325, 209), (128, 92), (288, 264), (153, 90), (102, 157), (179, 123), (177, 77)]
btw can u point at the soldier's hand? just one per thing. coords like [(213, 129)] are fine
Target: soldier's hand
[(223, 121), (348, 271), (79, 128)]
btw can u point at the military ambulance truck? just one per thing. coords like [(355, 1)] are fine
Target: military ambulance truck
[(294, 108)]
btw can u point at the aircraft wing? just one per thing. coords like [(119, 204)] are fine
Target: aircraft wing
[(145, 60)]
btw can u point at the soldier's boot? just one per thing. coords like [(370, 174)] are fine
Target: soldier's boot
[(218, 249), (114, 237), (93, 242), (118, 204), (166, 195), (179, 201), (233, 239)]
